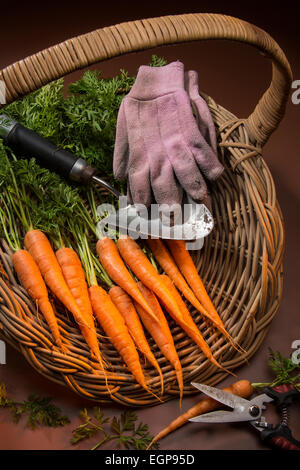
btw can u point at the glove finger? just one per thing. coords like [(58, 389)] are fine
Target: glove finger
[(186, 169), (138, 168), (205, 122), (165, 186), (167, 191), (206, 158), (176, 147), (121, 148), (139, 184), (190, 178), (203, 116)]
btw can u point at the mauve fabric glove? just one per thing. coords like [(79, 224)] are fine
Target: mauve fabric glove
[(159, 147)]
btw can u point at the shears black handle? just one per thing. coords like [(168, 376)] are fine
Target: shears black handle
[(280, 436)]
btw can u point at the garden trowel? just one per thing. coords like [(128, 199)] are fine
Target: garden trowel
[(193, 222)]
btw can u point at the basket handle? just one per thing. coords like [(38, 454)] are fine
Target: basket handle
[(57, 61)]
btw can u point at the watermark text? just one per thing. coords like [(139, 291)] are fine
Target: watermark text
[(296, 354), (296, 93), (191, 222), (2, 352), (2, 92)]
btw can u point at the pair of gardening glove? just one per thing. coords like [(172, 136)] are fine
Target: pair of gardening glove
[(161, 147)]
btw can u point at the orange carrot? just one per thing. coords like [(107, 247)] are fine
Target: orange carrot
[(75, 278), (168, 264), (161, 334), (145, 271), (125, 306), (39, 247), (114, 266), (165, 260), (31, 278), (115, 328), (242, 388), (193, 330), (186, 265)]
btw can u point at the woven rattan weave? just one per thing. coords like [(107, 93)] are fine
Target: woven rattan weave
[(241, 262)]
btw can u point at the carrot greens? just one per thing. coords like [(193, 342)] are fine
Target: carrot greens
[(82, 119), (39, 411), (286, 371), (124, 430)]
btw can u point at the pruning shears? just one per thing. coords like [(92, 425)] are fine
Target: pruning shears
[(279, 436)]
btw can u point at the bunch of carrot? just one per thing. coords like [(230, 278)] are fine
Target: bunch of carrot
[(138, 297), (129, 306)]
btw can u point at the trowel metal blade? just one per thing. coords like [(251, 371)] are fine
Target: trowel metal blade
[(198, 224)]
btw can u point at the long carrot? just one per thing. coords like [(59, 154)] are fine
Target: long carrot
[(193, 330), (125, 306), (115, 328), (75, 278), (242, 388), (166, 261), (39, 247), (187, 267), (114, 266), (31, 278), (145, 272), (161, 334)]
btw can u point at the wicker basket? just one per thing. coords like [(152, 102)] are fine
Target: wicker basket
[(241, 262)]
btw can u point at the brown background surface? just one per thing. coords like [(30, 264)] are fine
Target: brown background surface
[(236, 76)]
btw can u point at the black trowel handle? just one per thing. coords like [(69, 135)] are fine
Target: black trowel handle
[(27, 143)]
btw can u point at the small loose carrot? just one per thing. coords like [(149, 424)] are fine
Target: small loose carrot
[(114, 266), (161, 334), (39, 247), (147, 274), (187, 267), (31, 279), (126, 307), (242, 388), (115, 328)]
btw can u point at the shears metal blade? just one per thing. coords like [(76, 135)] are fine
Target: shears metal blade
[(242, 409)]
